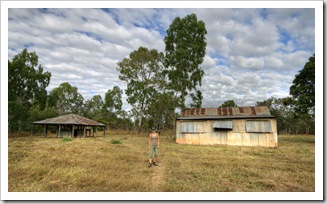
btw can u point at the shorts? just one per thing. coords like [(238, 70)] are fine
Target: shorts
[(153, 150)]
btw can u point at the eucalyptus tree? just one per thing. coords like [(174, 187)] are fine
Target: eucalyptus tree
[(161, 110), (113, 100), (184, 52), (229, 103), (303, 88), (93, 107), (113, 106), (142, 71), (66, 99), (27, 83)]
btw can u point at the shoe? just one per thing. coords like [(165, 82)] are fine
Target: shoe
[(155, 164), (149, 165)]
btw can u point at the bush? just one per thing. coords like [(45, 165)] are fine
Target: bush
[(65, 139), (115, 142)]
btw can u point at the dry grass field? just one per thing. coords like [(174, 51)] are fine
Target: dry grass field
[(97, 164)]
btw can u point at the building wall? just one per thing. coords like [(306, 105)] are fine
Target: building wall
[(244, 132)]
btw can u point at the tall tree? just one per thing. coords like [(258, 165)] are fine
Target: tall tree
[(93, 107), (303, 88), (27, 84), (142, 71), (229, 103), (113, 106), (184, 52), (161, 110), (113, 102), (66, 99)]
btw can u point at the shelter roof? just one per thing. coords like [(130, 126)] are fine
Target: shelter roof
[(70, 119), (224, 113)]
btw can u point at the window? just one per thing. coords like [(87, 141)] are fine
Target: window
[(258, 126), (223, 125), (192, 127)]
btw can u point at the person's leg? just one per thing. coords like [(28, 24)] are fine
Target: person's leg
[(150, 156), (156, 154)]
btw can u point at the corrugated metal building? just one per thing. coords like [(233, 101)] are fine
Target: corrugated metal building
[(243, 126), (71, 125)]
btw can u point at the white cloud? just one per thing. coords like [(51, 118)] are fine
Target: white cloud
[(250, 57)]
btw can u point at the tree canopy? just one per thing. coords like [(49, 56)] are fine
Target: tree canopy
[(184, 52), (142, 71), (27, 83), (66, 99), (158, 84), (229, 103), (303, 88)]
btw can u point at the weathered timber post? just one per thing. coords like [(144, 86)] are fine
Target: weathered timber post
[(46, 130), (73, 127), (59, 131)]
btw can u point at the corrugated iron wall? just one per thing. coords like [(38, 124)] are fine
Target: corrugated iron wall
[(254, 132)]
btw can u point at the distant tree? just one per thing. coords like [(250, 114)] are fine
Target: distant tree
[(196, 99), (113, 106), (113, 102), (161, 111), (93, 107), (36, 114), (229, 103), (288, 120), (303, 88), (66, 99), (184, 53), (27, 84), (142, 71)]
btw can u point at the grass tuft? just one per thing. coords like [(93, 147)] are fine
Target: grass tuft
[(115, 142), (66, 139)]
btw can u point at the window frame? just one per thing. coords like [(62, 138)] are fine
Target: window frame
[(258, 126)]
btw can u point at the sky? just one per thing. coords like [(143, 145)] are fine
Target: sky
[(251, 54)]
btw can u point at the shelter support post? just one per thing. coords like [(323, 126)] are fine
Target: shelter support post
[(46, 130), (73, 127), (59, 131)]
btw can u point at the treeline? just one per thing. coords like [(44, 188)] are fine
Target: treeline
[(157, 84), (295, 114)]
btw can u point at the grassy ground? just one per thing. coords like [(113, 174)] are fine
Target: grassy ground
[(101, 164)]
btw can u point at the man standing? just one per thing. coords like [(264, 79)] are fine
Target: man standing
[(154, 147)]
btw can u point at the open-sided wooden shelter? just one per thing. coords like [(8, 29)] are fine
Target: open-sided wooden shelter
[(243, 126), (71, 125)]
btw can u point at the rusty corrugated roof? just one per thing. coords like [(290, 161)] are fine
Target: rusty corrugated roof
[(70, 119), (230, 112)]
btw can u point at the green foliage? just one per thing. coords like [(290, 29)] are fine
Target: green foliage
[(18, 113), (185, 50), (142, 71), (66, 139), (288, 120), (27, 84), (303, 88), (66, 99), (161, 111), (93, 107), (113, 102), (229, 103), (36, 114), (115, 142)]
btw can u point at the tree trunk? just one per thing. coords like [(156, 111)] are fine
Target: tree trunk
[(140, 123)]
